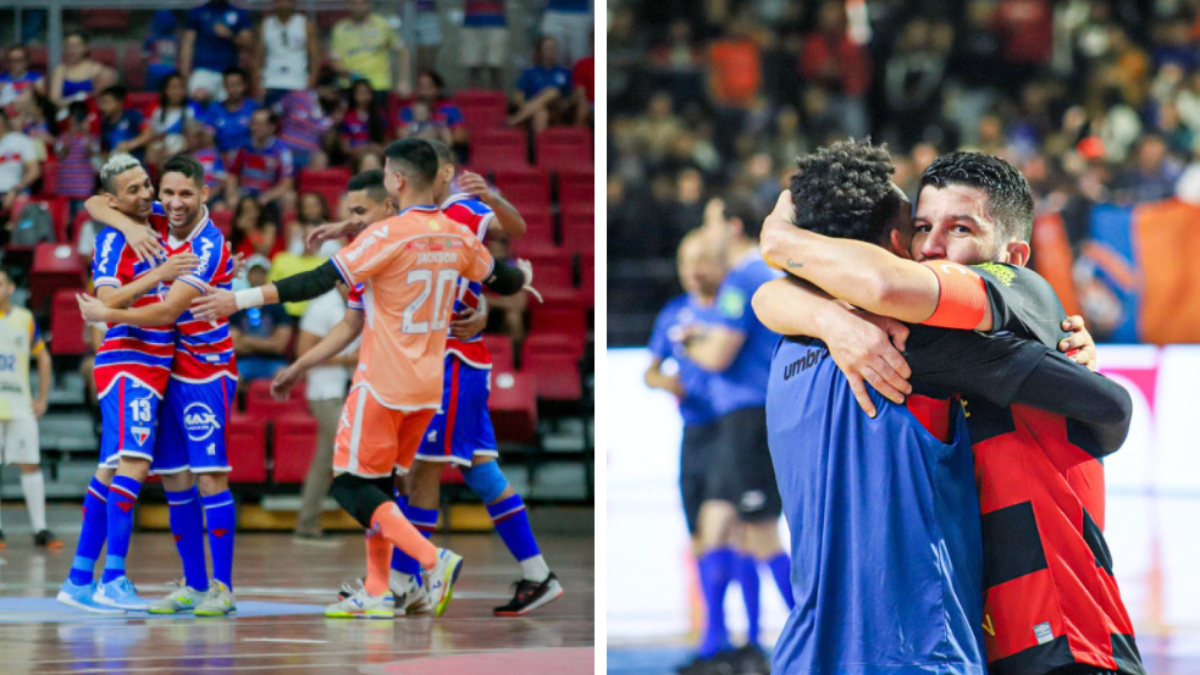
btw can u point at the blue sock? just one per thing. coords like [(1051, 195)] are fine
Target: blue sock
[(187, 524), (425, 520), (781, 569), (93, 534), (222, 521), (512, 524), (401, 561), (122, 496), (747, 578), (716, 571)]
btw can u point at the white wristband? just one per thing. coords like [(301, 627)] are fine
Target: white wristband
[(251, 297)]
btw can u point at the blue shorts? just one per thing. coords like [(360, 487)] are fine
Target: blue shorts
[(462, 429), (130, 413), (195, 425)]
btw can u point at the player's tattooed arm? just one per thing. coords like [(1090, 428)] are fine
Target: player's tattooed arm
[(865, 347), (863, 274), (142, 239), (175, 267), (311, 355)]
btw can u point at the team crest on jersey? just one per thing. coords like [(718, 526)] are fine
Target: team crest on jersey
[(199, 421), (140, 434)]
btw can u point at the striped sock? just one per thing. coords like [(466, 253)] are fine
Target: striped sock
[(187, 524), (93, 534), (221, 515), (512, 524), (122, 496)]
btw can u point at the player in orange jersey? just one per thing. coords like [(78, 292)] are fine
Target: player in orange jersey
[(410, 265)]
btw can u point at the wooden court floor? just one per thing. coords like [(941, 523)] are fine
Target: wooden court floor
[(281, 588)]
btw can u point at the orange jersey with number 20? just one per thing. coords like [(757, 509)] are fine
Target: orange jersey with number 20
[(409, 264)]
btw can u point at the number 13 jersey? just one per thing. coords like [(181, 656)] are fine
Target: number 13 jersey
[(410, 265)]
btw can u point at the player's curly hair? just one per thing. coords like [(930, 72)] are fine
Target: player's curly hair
[(1010, 199), (845, 191)]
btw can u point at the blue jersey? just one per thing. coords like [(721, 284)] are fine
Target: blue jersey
[(231, 128), (696, 405), (744, 383), (212, 51), (887, 553)]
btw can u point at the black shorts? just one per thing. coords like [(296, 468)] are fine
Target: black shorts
[(741, 471), (695, 458)]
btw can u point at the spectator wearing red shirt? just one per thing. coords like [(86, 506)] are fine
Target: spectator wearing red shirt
[(1027, 29), (264, 168), (832, 60), (255, 230)]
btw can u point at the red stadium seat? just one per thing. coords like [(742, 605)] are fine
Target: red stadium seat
[(564, 149), (77, 226), (66, 324), (55, 267), (105, 20), (482, 108), (60, 211), (560, 313), (527, 190), (142, 101), (562, 344), (451, 475), (513, 406), (329, 183), (539, 230), (579, 233), (249, 461), (108, 55), (223, 219), (133, 67), (577, 187), (49, 179), (587, 270), (499, 150), (578, 210), (501, 349), (261, 405), (294, 445), (551, 271), (558, 377)]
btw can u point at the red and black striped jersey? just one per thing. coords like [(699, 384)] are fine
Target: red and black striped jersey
[(1051, 599)]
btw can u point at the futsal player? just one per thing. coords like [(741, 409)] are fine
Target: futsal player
[(132, 368), (199, 395), (741, 497), (1047, 575), (461, 431), (410, 264), (20, 342)]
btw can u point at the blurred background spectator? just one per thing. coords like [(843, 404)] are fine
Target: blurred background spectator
[(1098, 104), (260, 334)]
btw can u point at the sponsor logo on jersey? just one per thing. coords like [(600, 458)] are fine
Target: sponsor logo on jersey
[(377, 235), (105, 249), (437, 257), (1002, 273), (432, 437), (812, 358), (206, 247), (199, 421)]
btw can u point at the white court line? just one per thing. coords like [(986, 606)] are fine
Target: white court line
[(297, 640)]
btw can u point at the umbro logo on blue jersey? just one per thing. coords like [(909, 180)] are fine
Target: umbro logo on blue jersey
[(814, 356)]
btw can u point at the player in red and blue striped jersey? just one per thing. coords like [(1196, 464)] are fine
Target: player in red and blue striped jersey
[(200, 393), (132, 370), (461, 432)]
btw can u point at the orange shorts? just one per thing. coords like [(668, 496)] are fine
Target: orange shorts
[(372, 439)]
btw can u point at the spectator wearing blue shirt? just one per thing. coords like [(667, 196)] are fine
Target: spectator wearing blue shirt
[(214, 35), (19, 79), (260, 334), (122, 130), (543, 90), (230, 119), (570, 23), (161, 49)]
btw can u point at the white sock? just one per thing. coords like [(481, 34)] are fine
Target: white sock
[(535, 569), (34, 486)]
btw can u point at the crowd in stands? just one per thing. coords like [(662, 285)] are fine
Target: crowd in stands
[(1097, 102), (281, 111)]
